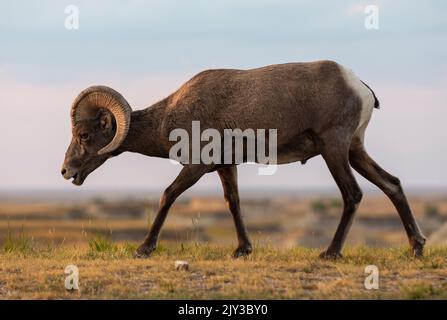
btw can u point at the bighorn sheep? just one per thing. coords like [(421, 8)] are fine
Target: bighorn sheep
[(318, 108)]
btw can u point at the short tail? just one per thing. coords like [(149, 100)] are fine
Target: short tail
[(376, 101)]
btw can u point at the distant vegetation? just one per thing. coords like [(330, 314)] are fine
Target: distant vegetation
[(324, 206), (431, 210)]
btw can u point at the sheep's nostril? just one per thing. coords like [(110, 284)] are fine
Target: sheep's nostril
[(63, 171)]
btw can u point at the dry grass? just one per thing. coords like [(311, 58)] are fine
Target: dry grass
[(38, 240), (108, 271)]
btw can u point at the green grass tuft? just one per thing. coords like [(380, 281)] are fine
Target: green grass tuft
[(421, 291), (21, 244), (100, 245)]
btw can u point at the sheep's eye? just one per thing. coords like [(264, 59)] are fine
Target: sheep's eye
[(83, 136)]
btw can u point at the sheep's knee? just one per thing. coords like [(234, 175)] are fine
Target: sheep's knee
[(393, 187), (354, 198)]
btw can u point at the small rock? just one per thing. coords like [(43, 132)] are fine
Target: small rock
[(181, 265)]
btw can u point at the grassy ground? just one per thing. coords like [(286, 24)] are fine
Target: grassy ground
[(108, 271)]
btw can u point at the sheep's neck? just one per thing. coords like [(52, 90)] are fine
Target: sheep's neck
[(144, 133)]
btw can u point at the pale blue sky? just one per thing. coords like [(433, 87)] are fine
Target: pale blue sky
[(146, 49)]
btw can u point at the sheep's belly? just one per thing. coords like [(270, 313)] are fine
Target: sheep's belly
[(300, 148)]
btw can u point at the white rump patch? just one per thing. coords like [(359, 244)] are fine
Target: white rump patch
[(366, 96)]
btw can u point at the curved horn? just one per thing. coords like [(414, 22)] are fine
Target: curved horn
[(105, 97)]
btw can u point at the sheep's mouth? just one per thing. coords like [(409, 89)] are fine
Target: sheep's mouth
[(75, 176), (80, 174), (78, 179)]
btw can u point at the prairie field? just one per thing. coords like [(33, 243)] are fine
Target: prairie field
[(109, 271), (39, 238)]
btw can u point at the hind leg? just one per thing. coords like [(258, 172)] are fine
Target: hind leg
[(336, 156), (391, 186), (228, 177)]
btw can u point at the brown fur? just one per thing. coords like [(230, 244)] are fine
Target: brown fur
[(313, 109)]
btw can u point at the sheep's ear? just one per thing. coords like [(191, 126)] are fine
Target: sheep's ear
[(106, 121)]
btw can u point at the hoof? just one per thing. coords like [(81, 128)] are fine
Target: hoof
[(242, 251), (144, 251), (418, 248), (330, 255)]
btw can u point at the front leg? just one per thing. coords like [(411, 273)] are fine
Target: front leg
[(189, 175)]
